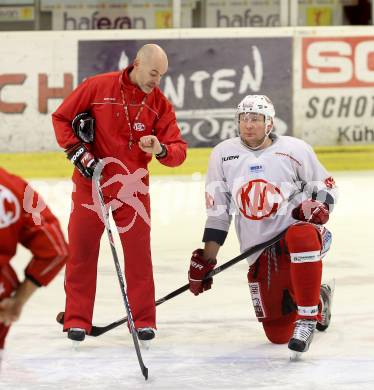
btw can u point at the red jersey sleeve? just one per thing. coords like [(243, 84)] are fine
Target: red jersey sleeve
[(41, 234)]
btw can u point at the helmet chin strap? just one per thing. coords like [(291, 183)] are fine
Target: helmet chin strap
[(266, 136)]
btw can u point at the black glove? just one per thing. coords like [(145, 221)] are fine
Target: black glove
[(82, 159), (84, 127)]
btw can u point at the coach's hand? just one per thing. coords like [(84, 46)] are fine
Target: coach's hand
[(151, 144)]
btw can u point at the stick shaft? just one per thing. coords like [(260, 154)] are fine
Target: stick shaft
[(129, 319), (99, 330)]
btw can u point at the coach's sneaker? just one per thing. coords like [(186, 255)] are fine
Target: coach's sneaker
[(145, 335), (301, 338), (76, 334), (326, 293)]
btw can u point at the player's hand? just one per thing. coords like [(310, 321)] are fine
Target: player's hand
[(83, 160), (150, 144), (311, 211), (199, 268), (10, 310)]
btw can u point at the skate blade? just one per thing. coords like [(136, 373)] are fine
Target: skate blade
[(332, 284), (295, 356), (145, 344), (75, 345)]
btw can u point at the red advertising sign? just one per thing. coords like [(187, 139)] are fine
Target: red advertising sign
[(338, 62)]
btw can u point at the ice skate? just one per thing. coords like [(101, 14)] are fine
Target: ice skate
[(77, 335), (301, 338), (145, 335), (326, 292)]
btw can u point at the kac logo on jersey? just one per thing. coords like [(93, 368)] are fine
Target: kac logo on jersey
[(258, 199), (10, 208), (139, 126)]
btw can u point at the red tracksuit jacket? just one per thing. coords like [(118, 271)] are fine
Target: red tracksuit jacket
[(101, 96)]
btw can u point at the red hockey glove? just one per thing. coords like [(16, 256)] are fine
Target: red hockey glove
[(82, 159), (311, 211), (199, 267)]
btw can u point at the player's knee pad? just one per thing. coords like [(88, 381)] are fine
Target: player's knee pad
[(279, 331), (303, 241)]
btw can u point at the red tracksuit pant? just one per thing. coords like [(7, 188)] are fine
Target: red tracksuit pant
[(85, 230)]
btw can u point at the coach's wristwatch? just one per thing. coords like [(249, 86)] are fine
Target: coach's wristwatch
[(163, 152)]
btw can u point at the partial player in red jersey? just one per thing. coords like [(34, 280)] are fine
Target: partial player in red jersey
[(122, 119), (272, 184), (25, 219)]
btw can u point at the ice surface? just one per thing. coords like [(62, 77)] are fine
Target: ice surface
[(208, 342)]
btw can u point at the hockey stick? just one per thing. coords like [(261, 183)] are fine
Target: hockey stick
[(99, 330), (129, 319)]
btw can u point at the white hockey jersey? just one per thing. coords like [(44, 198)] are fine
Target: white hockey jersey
[(261, 188)]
